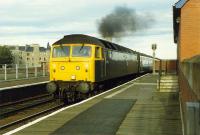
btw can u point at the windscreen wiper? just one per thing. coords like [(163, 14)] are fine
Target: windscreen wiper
[(81, 47), (62, 47)]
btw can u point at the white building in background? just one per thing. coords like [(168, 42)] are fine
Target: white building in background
[(32, 54)]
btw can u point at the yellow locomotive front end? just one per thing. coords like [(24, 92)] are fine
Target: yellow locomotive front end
[(71, 63), (71, 68)]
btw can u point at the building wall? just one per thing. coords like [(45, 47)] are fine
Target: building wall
[(189, 40), (34, 57)]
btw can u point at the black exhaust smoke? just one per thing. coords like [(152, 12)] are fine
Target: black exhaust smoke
[(122, 22)]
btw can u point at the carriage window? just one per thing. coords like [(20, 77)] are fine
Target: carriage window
[(97, 52), (61, 51), (81, 51)]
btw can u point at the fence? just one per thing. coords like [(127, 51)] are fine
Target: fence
[(167, 66), (22, 71)]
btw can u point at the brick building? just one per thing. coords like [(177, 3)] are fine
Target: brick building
[(187, 36), (187, 28)]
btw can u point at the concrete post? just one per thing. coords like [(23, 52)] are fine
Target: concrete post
[(43, 65), (26, 70), (154, 47), (154, 66), (16, 67), (5, 71), (35, 71)]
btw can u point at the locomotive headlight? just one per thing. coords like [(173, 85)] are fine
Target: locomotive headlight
[(77, 68), (73, 77), (62, 68)]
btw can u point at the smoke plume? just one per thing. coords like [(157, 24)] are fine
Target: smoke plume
[(122, 22)]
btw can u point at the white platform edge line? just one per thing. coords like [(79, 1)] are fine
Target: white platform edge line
[(65, 108), (24, 85)]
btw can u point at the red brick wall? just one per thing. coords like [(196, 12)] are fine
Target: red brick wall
[(167, 65), (189, 40)]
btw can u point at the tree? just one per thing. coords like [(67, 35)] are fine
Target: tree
[(5, 55)]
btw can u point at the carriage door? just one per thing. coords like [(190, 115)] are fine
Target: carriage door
[(99, 64)]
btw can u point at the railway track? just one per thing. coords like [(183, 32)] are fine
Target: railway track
[(14, 107), (12, 114), (14, 122), (23, 100)]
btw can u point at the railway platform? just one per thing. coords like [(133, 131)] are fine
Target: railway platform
[(21, 82), (17, 90), (134, 108)]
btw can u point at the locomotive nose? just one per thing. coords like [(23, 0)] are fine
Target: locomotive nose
[(71, 71)]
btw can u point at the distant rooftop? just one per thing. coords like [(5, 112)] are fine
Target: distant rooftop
[(42, 49), (27, 48)]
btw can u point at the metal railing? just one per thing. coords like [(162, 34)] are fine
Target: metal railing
[(22, 71)]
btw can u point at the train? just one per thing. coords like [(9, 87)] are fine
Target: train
[(81, 64)]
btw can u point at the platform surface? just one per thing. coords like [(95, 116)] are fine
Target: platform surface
[(11, 83), (135, 108)]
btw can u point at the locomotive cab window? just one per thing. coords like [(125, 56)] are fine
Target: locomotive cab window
[(97, 52), (81, 51), (61, 51)]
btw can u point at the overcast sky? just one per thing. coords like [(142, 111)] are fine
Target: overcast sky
[(42, 21)]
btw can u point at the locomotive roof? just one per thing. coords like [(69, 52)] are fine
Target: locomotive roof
[(80, 39)]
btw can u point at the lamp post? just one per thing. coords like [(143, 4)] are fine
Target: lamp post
[(154, 47)]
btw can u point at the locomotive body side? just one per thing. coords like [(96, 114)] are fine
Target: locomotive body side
[(115, 64), (146, 63)]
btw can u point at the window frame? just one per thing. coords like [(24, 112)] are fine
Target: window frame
[(69, 48), (81, 56)]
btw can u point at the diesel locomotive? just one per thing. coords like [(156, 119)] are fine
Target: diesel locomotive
[(80, 64)]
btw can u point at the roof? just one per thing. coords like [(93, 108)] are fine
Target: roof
[(29, 49), (78, 38), (176, 17), (85, 39), (42, 49), (180, 3), (22, 48), (26, 48)]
